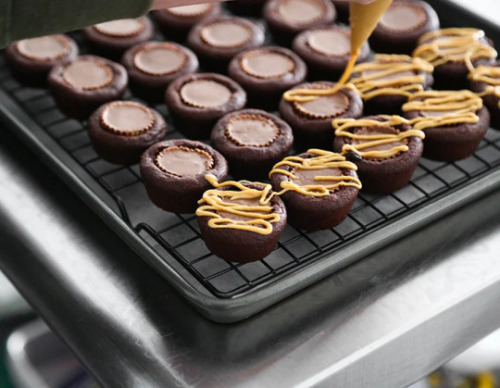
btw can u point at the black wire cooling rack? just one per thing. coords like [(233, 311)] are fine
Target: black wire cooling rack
[(179, 234)]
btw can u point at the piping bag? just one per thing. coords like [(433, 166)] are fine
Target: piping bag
[(363, 20)]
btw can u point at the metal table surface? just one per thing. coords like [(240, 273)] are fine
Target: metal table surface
[(385, 321)]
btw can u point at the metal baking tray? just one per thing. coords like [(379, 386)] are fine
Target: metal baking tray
[(171, 243)]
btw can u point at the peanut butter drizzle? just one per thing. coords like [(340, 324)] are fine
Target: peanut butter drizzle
[(363, 20), (324, 159), (454, 44), (386, 65), (261, 217), (342, 127), (463, 103), (489, 75)]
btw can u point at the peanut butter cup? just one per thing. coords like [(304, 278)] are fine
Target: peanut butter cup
[(218, 40), (454, 122), (183, 161), (175, 23), (401, 26), (30, 60), (318, 188), (112, 39), (121, 131), (452, 52), (246, 7), (225, 35), (287, 18), (120, 27), (241, 221), (205, 94), (88, 74), (485, 80), (311, 121), (252, 141), (152, 66), (267, 63), (174, 172), (265, 73), (251, 130), (80, 87), (326, 51), (323, 107), (385, 148), (197, 101)]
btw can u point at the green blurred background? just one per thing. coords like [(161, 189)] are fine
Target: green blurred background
[(4, 332)]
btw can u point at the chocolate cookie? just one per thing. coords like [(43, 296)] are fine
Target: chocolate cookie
[(152, 66), (265, 73), (197, 101), (401, 25), (241, 229), (385, 149), (311, 121), (485, 80), (454, 122), (112, 39), (174, 172), (121, 131), (252, 141), (386, 82), (319, 187), (218, 40), (287, 18), (246, 7), (175, 23), (449, 49), (326, 51), (30, 60), (80, 87)]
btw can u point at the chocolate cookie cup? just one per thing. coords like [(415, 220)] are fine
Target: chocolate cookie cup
[(454, 122), (112, 39), (485, 81), (246, 7), (311, 121), (387, 82), (241, 221), (454, 52), (197, 101), (252, 141), (318, 187), (287, 18), (175, 23), (121, 131), (30, 60), (218, 40), (402, 25), (80, 87), (174, 172), (265, 73), (385, 148), (152, 66), (326, 51)]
